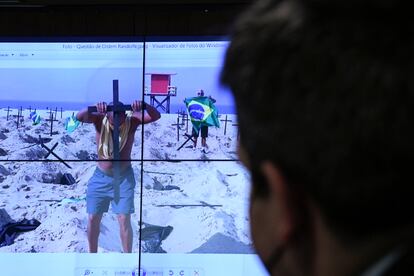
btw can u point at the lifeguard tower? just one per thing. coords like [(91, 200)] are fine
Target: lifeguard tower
[(161, 90)]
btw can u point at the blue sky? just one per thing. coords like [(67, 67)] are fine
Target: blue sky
[(83, 72)]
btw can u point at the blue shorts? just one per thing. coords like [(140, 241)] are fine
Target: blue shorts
[(104, 189)]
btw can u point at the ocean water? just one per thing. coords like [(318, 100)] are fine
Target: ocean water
[(72, 106)]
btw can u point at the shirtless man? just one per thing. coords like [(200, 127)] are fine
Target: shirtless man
[(102, 187)]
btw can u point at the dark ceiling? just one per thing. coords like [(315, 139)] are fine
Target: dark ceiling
[(28, 3), (118, 17)]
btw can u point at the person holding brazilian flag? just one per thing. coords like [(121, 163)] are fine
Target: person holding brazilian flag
[(203, 113)]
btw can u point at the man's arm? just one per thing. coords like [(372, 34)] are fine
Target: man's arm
[(151, 114), (85, 117)]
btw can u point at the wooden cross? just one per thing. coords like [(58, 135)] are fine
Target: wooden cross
[(178, 128), (52, 119), (177, 206), (19, 115), (225, 124), (49, 111), (184, 118), (50, 151), (182, 114), (117, 108), (55, 112), (8, 111), (186, 122), (189, 137), (238, 131)]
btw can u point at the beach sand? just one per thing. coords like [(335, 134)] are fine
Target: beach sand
[(187, 206)]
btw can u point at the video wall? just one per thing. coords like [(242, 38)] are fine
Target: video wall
[(189, 206)]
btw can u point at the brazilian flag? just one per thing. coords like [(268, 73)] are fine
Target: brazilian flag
[(202, 112), (35, 118), (71, 123)]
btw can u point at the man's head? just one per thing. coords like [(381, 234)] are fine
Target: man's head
[(200, 93), (324, 98), (122, 115)]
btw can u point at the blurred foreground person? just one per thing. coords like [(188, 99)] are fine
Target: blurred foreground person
[(324, 93)]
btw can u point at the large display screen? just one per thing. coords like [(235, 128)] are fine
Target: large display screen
[(187, 194)]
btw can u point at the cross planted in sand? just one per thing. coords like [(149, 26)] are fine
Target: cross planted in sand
[(117, 108)]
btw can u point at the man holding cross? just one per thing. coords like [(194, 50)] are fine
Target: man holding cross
[(114, 182)]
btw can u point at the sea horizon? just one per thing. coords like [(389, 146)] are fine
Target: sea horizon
[(74, 106)]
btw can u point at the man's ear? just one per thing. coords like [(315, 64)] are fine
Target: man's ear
[(284, 200)]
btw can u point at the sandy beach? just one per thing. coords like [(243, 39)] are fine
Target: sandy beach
[(192, 202)]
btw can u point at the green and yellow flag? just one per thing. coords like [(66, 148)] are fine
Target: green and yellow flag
[(202, 112), (71, 123)]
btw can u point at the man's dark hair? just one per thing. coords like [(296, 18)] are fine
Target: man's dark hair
[(200, 93), (325, 90)]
